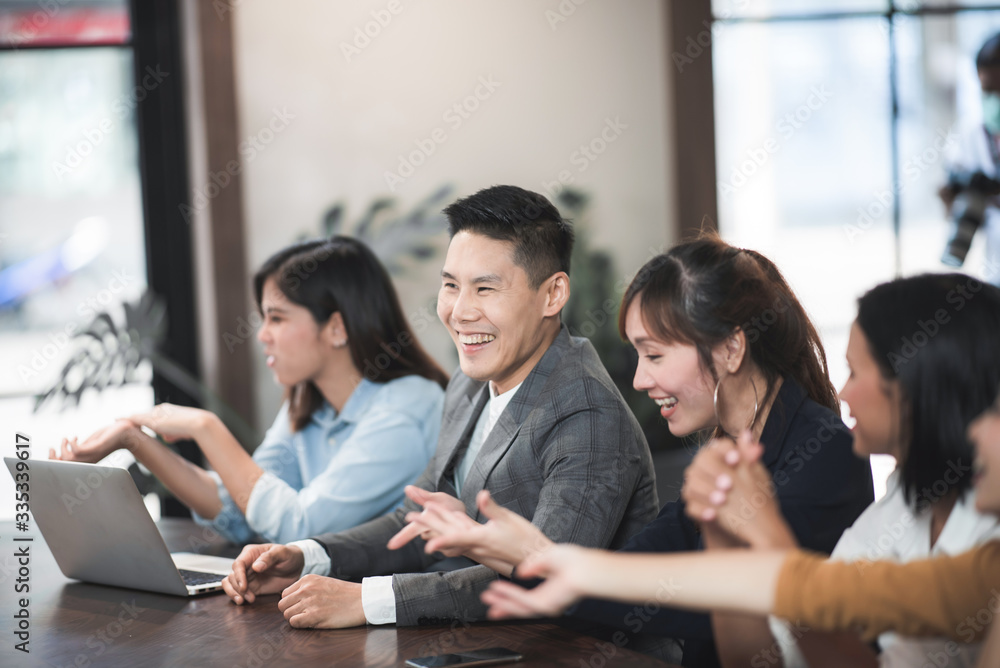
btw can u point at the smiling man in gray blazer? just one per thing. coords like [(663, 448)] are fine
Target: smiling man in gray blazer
[(532, 416)]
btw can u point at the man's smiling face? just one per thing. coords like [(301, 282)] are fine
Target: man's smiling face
[(495, 317)]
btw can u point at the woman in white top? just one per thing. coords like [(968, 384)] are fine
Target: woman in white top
[(924, 358)]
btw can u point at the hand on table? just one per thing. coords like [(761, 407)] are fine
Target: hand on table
[(97, 446), (567, 568), (263, 569), (317, 602)]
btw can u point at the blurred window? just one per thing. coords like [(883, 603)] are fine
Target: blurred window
[(833, 120), (72, 240)]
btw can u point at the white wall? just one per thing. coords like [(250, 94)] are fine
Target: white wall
[(560, 76)]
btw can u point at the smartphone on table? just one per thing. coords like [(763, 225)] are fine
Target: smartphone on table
[(475, 657)]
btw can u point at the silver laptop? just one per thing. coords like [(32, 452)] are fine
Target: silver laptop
[(98, 529)]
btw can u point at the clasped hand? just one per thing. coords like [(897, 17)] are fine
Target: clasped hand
[(310, 601), (728, 489)]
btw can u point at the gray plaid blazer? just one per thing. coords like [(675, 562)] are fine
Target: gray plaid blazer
[(566, 453)]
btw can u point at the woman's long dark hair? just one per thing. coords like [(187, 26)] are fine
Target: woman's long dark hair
[(701, 291), (341, 275), (938, 336)]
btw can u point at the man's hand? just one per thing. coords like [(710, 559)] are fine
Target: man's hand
[(317, 602), (421, 497), (501, 544), (263, 569)]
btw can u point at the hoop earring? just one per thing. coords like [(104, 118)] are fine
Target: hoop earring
[(715, 403)]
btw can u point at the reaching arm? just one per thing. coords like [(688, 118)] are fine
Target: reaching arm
[(238, 471), (735, 580), (931, 597), (188, 482), (386, 450)]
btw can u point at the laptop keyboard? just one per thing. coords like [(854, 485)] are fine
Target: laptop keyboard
[(195, 578)]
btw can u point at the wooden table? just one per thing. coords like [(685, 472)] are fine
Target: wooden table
[(83, 625)]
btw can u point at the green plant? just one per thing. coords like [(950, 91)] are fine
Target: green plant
[(592, 312)]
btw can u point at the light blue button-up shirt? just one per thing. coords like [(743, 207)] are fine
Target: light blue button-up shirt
[(340, 470)]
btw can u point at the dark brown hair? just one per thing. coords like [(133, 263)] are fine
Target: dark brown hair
[(341, 275), (701, 291), (936, 335)]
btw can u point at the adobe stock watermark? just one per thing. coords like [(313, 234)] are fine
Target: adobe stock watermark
[(248, 149), (925, 330), (786, 128), (455, 116), (605, 313), (771, 655), (121, 107), (586, 154), (635, 621), (87, 485), (266, 649), (364, 35), (40, 358), (100, 642), (899, 19), (972, 626), (696, 45), (766, 492), (879, 548), (562, 12), (915, 165), (31, 26)]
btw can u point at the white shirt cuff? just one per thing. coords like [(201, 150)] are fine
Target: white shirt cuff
[(316, 558), (378, 600)]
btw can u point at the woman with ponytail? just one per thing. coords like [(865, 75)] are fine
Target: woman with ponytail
[(724, 347)]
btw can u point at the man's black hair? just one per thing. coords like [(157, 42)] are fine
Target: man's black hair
[(542, 239)]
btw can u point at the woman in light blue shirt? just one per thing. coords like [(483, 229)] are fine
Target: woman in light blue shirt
[(360, 419)]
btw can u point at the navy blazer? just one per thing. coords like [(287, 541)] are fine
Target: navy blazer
[(821, 487)]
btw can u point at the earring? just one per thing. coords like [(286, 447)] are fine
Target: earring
[(756, 405), (715, 402), (339, 344)]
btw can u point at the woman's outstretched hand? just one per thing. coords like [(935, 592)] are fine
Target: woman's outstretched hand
[(567, 569), (119, 434)]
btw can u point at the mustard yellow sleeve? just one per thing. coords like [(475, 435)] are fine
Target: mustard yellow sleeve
[(954, 597)]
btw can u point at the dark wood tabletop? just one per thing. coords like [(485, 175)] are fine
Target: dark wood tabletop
[(82, 625)]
